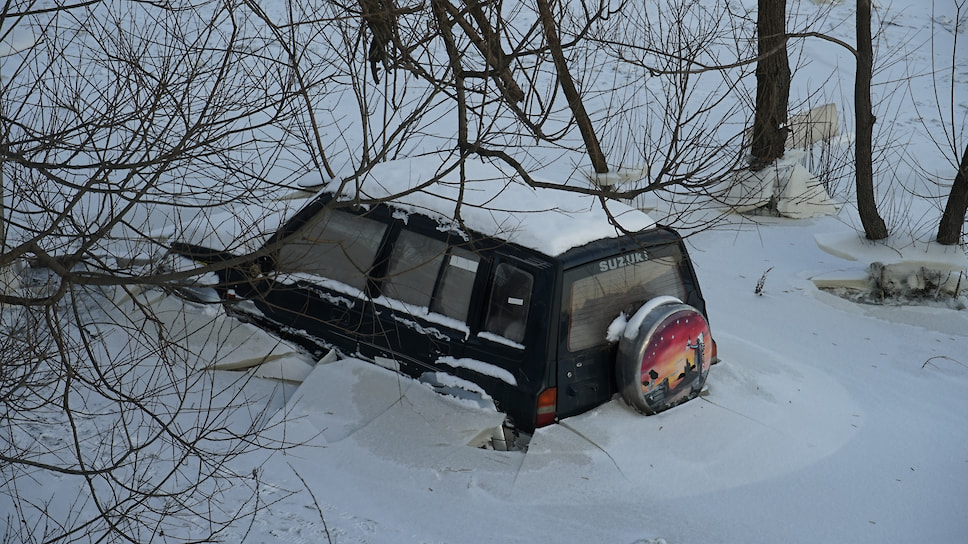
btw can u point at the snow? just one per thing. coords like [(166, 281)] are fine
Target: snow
[(480, 367), (491, 337), (495, 200), (826, 421), (635, 322), (425, 313), (905, 267), (617, 328), (854, 247), (216, 340)]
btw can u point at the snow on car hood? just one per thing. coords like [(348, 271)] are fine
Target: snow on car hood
[(494, 200)]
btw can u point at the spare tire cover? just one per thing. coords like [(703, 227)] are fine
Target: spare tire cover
[(661, 357)]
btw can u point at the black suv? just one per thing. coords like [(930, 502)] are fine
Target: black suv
[(537, 296)]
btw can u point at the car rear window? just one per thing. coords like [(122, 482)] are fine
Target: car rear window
[(598, 292)]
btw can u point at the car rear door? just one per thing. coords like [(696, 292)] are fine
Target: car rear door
[(597, 295), (424, 298)]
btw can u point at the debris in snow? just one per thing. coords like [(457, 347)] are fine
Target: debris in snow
[(895, 271), (619, 176), (762, 282), (796, 192), (816, 125)]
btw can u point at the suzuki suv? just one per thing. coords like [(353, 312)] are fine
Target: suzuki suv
[(550, 301)]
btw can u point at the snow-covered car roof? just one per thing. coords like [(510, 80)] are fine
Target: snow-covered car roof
[(494, 201)]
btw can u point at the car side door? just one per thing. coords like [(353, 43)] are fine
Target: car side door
[(424, 298)]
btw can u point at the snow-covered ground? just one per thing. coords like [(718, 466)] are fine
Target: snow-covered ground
[(826, 421)]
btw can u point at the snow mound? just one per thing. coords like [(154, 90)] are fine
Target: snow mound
[(797, 193), (763, 415), (491, 198), (211, 339), (398, 415), (854, 247)]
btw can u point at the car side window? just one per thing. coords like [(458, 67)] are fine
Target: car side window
[(507, 309), (336, 245), (414, 264), (456, 284)]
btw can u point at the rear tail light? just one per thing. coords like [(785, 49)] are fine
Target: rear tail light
[(547, 406)]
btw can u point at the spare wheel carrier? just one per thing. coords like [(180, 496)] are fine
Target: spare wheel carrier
[(662, 358)]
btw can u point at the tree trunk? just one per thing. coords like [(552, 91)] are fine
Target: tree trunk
[(953, 218), (570, 91), (772, 84), (874, 227)]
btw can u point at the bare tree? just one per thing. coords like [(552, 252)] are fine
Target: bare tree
[(874, 227), (568, 87), (674, 112), (535, 82), (502, 83), (122, 126), (953, 219), (952, 223)]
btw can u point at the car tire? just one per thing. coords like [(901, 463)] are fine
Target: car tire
[(662, 356)]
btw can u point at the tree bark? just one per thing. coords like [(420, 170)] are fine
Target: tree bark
[(953, 218), (446, 32), (567, 83), (874, 227), (377, 16), (489, 44), (772, 84)]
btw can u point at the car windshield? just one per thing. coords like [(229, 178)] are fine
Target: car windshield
[(598, 292)]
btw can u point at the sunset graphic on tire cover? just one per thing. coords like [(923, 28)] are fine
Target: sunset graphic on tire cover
[(669, 363)]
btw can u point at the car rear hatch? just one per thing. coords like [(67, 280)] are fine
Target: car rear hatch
[(602, 282)]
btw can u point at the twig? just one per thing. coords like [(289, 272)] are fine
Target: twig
[(761, 282), (322, 518), (943, 357)]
